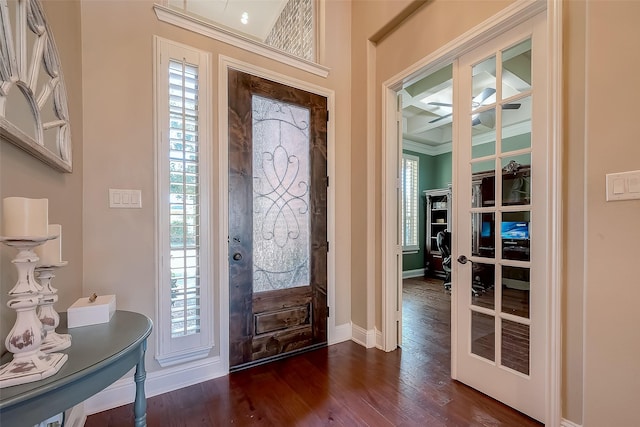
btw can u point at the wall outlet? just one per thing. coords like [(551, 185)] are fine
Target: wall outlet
[(125, 199)]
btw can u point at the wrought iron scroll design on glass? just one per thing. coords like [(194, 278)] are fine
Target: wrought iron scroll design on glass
[(281, 171)]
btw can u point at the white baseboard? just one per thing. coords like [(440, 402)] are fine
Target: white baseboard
[(362, 336), (340, 333), (378, 339), (567, 423), (413, 273), (123, 391)]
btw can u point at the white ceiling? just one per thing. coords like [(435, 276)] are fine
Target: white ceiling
[(262, 14)]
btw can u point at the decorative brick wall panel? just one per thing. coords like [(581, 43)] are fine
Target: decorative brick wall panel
[(293, 31)]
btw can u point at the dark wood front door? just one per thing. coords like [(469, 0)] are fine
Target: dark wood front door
[(277, 220)]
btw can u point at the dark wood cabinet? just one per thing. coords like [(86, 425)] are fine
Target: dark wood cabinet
[(490, 228), (438, 218)]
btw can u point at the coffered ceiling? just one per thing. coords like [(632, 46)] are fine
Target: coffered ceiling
[(424, 123), (427, 103)]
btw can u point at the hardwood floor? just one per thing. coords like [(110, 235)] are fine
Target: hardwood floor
[(341, 385)]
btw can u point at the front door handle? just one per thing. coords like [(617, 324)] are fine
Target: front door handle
[(463, 259)]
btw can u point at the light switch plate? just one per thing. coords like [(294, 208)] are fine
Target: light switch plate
[(623, 185), (125, 199)]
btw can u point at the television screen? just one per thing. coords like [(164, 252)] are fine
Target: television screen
[(514, 230), (486, 229)]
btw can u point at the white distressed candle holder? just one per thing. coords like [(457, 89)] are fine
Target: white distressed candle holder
[(29, 363), (48, 316)]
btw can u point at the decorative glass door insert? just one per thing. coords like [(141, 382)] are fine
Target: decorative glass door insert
[(280, 195)]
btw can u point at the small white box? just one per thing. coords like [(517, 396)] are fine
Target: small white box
[(83, 312)]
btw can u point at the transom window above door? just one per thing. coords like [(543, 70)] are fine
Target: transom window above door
[(287, 25)]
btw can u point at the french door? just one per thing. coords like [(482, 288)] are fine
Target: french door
[(501, 205), (277, 220)]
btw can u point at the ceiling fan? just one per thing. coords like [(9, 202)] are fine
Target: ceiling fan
[(475, 103)]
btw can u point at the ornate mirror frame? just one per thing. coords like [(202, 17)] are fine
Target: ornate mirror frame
[(33, 99)]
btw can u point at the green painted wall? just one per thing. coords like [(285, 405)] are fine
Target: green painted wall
[(435, 172), (443, 168)]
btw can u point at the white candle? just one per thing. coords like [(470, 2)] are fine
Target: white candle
[(50, 253), (24, 217)]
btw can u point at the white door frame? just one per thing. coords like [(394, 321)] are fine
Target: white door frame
[(506, 19), (224, 64)]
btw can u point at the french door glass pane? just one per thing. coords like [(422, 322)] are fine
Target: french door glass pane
[(483, 142), (484, 121), (483, 181), (281, 171), (516, 142), (483, 335), (516, 69), (482, 283), (516, 125), (516, 180), (483, 234), (484, 83), (515, 346), (515, 236), (516, 289)]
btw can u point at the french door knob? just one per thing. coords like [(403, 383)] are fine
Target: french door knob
[(463, 259), (237, 256)]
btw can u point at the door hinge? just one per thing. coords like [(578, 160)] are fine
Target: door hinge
[(327, 115), (327, 181), (327, 246), (327, 311)]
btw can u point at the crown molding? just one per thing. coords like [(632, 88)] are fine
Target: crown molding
[(507, 132), (429, 150)]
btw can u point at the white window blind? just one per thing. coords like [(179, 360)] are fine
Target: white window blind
[(410, 208), (184, 198), (182, 98)]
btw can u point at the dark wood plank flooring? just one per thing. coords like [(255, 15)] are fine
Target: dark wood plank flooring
[(342, 385)]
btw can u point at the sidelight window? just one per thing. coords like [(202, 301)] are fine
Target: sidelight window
[(182, 144), (410, 210)]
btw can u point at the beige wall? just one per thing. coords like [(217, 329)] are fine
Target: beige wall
[(612, 229), (420, 34), (368, 20), (24, 176), (118, 120)]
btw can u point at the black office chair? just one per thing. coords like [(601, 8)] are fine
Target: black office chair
[(443, 240)]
